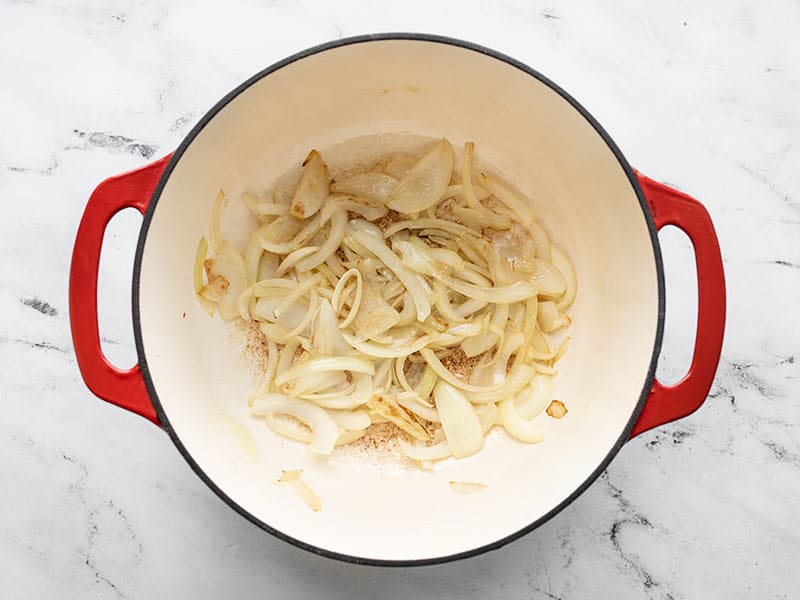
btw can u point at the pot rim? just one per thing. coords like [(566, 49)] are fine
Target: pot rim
[(423, 37)]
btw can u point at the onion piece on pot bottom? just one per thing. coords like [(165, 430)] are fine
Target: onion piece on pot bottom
[(306, 494), (467, 487)]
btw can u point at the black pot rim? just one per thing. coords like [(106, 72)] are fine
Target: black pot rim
[(143, 358)]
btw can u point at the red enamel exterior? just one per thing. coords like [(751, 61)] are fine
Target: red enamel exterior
[(668, 403), (124, 388)]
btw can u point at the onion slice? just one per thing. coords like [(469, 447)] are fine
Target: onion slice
[(324, 364), (517, 426), (324, 428), (563, 264), (467, 487), (505, 294), (214, 231), (306, 494), (199, 259), (425, 184), (411, 281), (375, 185), (312, 188), (461, 425)]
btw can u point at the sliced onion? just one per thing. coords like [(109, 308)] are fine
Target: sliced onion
[(487, 415), (364, 389), (293, 258), (365, 207), (457, 191), (471, 306), (299, 290), (375, 316), (399, 165), (267, 266), (351, 420), (331, 243), (307, 233), (214, 231), (306, 494), (269, 209), (424, 185), (327, 339), (252, 258), (511, 255), (276, 237), (383, 375), (426, 383), (289, 427), (337, 298), (316, 383), (199, 259), (517, 426), (467, 487), (312, 188), (442, 302), (541, 240), (290, 317), (334, 393), (325, 431), (374, 185), (408, 314), (399, 373), (429, 223), (548, 281), (395, 350), (519, 207), (563, 264), (326, 363), (422, 452), (480, 218), (472, 275), (228, 263), (216, 286), (387, 408), (411, 401), (549, 318), (535, 397), (274, 332), (415, 288), (461, 425), (348, 437), (519, 376), (495, 372), (252, 201), (504, 294)]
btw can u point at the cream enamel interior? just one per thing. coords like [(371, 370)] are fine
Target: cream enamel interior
[(527, 134)]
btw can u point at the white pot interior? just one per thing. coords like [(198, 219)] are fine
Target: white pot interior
[(375, 506)]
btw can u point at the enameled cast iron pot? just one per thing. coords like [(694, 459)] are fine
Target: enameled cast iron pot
[(531, 133)]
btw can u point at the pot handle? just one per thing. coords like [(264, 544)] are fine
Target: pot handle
[(668, 403), (124, 388)]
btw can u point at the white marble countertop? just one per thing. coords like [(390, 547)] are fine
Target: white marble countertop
[(98, 503)]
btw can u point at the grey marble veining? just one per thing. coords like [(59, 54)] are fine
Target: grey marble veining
[(97, 503)]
